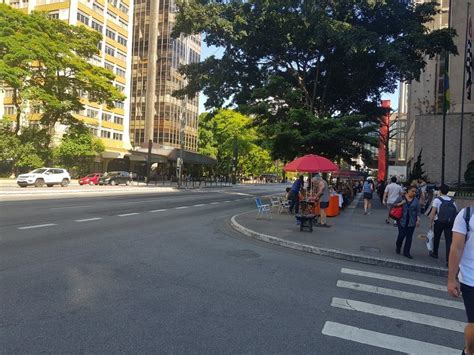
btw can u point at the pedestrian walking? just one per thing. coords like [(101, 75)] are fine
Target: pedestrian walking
[(392, 192), (294, 195), (322, 195), (442, 215), (381, 190), (409, 220), (461, 270), (368, 189)]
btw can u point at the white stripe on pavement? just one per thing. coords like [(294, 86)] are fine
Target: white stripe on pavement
[(214, 203), (199, 205), (38, 226), (181, 207), (128, 214), (385, 341), (400, 294), (394, 313), (401, 280), (88, 219), (160, 210)]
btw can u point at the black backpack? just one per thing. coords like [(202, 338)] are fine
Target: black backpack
[(447, 211)]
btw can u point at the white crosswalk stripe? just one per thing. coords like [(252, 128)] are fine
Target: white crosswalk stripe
[(382, 309)]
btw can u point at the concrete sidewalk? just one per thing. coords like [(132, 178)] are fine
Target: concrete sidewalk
[(353, 236)]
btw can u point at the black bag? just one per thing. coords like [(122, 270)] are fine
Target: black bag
[(447, 211)]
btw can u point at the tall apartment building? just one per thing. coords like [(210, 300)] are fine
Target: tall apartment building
[(113, 19), (422, 104), (156, 115)]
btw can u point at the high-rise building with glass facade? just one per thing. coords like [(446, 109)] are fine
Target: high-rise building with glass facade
[(155, 114), (113, 19)]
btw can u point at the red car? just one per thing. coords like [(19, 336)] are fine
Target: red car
[(91, 179)]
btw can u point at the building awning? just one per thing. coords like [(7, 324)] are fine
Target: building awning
[(191, 158), (163, 155)]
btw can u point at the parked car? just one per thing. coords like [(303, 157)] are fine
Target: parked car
[(91, 179), (44, 176), (115, 178)]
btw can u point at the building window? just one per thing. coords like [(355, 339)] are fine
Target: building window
[(120, 105), (120, 88), (54, 15), (123, 24), (121, 56), (92, 113), (83, 18), (123, 8), (97, 8), (8, 92), (93, 131), (107, 117), (105, 134), (10, 110), (122, 41), (120, 72), (97, 26), (110, 51), (113, 2), (118, 120), (118, 136), (109, 33), (109, 66), (111, 15)]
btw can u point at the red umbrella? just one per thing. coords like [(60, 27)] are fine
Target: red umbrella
[(311, 163)]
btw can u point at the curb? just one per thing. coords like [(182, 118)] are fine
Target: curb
[(336, 253)]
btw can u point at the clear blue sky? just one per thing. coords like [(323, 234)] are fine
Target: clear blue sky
[(208, 51)]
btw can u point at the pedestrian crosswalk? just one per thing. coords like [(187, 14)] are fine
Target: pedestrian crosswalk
[(376, 306)]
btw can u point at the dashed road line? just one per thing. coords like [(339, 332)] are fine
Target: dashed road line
[(39, 226), (214, 203), (128, 214), (160, 210), (199, 205), (181, 207), (88, 219)]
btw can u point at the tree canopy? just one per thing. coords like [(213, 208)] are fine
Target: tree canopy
[(228, 135), (310, 72), (47, 64)]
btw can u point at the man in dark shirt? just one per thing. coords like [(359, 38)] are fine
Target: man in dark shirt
[(294, 194)]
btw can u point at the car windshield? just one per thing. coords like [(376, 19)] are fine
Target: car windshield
[(38, 171)]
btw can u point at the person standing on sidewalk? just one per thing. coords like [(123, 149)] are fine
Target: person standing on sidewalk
[(393, 191), (409, 220), (368, 190), (461, 265), (381, 190), (322, 195), (442, 215), (294, 195)]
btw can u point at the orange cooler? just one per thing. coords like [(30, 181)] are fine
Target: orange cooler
[(333, 209)]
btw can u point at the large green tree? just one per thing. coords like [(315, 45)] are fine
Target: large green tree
[(230, 137), (310, 72), (78, 149), (47, 64)]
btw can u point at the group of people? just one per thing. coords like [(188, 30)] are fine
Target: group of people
[(318, 187)]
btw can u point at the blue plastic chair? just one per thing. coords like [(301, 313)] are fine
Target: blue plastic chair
[(262, 209)]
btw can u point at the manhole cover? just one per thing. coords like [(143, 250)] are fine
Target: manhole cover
[(370, 249), (247, 254)]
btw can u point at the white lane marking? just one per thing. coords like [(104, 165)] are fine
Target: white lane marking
[(214, 203), (384, 341), (227, 201), (60, 208), (418, 318), (88, 219), (401, 280), (199, 205), (181, 207), (160, 210), (39, 226), (400, 294), (128, 214)]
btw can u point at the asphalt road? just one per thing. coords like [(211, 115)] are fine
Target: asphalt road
[(165, 273)]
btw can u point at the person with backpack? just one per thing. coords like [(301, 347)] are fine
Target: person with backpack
[(442, 215), (368, 189), (461, 270)]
